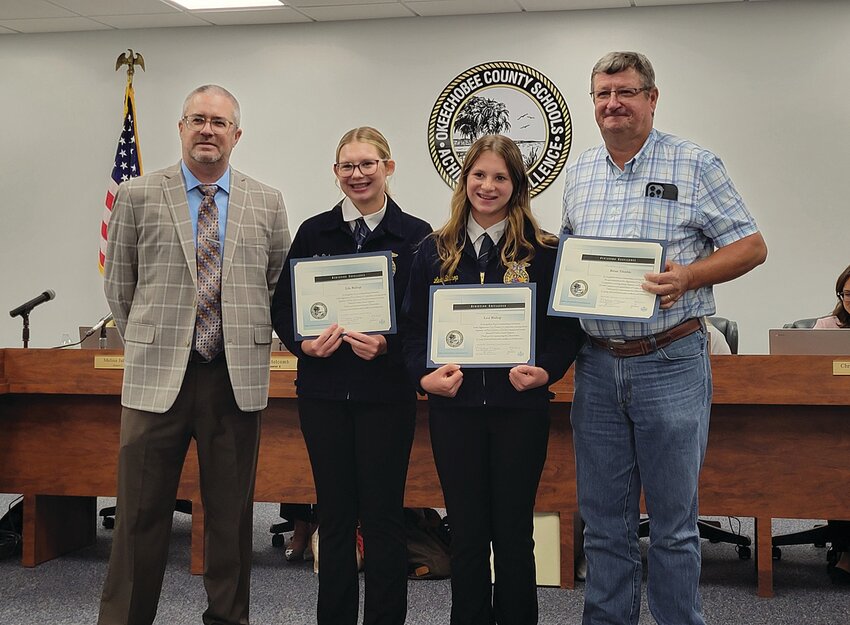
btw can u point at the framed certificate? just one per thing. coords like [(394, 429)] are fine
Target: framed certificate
[(353, 290), (601, 278), (487, 325)]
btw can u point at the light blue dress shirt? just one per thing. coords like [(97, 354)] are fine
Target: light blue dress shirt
[(195, 197)]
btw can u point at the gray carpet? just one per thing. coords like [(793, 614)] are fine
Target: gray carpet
[(66, 590)]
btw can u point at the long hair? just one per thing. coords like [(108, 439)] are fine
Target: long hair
[(840, 312), (451, 238), (372, 136)]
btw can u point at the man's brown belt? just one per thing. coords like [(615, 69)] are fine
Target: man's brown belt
[(647, 344)]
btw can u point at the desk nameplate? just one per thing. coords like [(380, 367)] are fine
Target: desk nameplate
[(109, 362), (841, 367), (287, 362)]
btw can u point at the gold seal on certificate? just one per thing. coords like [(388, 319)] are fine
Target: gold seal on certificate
[(602, 278), (355, 291), (487, 325)]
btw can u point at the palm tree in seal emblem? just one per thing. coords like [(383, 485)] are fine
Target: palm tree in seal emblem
[(482, 116)]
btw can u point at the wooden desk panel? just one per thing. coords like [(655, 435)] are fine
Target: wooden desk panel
[(775, 448)]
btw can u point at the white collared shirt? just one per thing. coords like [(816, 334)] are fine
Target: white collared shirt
[(350, 214), (476, 233)]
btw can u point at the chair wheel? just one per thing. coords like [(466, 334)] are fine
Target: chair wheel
[(776, 552), (277, 541), (745, 553), (108, 522)]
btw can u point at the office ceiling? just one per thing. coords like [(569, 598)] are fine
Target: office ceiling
[(51, 16)]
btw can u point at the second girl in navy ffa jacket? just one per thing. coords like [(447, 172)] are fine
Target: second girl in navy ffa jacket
[(356, 406), (490, 426)]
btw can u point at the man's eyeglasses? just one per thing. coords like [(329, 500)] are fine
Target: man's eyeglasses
[(844, 296), (622, 94), (367, 168), (219, 125)]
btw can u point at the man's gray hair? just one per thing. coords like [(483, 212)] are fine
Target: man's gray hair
[(220, 90), (615, 62)]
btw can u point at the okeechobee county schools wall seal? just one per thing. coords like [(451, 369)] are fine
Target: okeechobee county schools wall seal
[(505, 98)]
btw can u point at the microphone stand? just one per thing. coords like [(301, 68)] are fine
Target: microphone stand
[(101, 342), (25, 335)]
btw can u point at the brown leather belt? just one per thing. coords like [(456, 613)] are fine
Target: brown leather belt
[(625, 348)]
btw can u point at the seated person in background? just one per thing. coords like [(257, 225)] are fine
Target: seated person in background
[(839, 568), (840, 317), (716, 341)]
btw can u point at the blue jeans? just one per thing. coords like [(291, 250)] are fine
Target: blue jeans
[(641, 422)]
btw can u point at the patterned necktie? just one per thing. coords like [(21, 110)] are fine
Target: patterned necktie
[(208, 336), (484, 253), (361, 231)]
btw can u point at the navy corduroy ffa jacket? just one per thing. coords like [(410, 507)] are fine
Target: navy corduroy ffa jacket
[(344, 375), (558, 339)]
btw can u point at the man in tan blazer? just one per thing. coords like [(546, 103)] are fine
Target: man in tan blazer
[(197, 332)]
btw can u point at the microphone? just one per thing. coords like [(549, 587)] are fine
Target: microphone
[(103, 321), (26, 307)]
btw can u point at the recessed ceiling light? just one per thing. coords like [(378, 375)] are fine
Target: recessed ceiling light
[(199, 5)]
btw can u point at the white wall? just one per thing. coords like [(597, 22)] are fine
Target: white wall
[(763, 84)]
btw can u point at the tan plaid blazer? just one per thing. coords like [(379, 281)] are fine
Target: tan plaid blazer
[(151, 285)]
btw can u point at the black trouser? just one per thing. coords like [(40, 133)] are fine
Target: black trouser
[(840, 534), (490, 460), (359, 452)]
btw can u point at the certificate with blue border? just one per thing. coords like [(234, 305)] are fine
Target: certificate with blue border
[(487, 325), (601, 278), (353, 290)]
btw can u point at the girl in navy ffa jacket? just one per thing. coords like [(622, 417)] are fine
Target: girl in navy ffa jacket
[(356, 405), (490, 427)]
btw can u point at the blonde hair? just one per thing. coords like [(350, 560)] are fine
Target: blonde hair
[(451, 238), (372, 136)]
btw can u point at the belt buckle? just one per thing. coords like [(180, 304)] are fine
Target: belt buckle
[(614, 344)]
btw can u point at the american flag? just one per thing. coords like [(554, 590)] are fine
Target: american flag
[(128, 164)]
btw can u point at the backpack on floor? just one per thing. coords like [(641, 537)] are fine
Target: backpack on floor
[(428, 555)]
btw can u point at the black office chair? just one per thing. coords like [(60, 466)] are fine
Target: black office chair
[(729, 329), (711, 530), (108, 513), (802, 323)]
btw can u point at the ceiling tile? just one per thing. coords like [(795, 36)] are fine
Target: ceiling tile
[(53, 25), (162, 20), (25, 9), (115, 7), (462, 7), (654, 3), (570, 5), (282, 15), (358, 12), (299, 4)]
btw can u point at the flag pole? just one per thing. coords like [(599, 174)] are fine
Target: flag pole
[(128, 159)]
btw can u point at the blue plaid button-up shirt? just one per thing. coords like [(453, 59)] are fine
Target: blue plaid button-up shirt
[(601, 200)]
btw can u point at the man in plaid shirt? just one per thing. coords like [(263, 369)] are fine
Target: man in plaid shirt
[(643, 389)]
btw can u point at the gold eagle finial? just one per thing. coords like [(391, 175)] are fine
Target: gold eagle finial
[(130, 60)]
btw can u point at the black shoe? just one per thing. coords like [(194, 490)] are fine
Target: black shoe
[(838, 576)]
